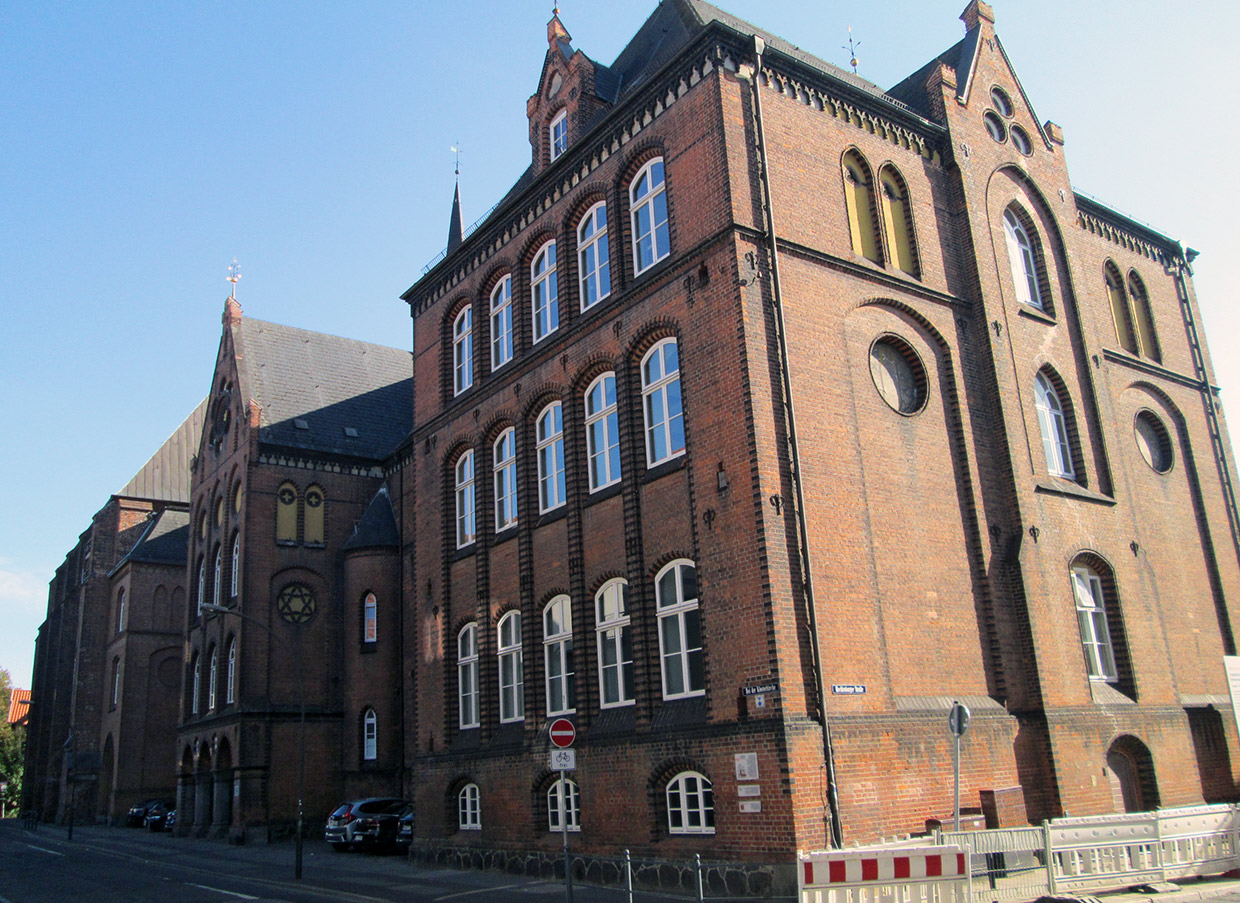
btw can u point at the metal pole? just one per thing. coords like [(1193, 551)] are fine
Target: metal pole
[(72, 808), (957, 769), (628, 874), (568, 865), (697, 867), (301, 764)]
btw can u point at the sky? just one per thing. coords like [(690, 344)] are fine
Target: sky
[(144, 146)]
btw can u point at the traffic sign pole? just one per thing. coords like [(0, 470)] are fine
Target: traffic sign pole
[(957, 723), (563, 733)]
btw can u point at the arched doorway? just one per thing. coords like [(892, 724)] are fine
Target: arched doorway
[(203, 788), (1130, 770), (221, 803), (185, 793), (107, 782)]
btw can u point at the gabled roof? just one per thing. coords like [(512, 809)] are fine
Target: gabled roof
[(166, 476), (19, 706), (377, 528), (324, 393), (165, 540), (912, 90)]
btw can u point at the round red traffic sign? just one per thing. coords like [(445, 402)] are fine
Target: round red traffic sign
[(562, 733)]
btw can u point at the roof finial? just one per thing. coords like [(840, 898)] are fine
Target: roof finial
[(456, 230), (234, 276), (456, 149), (852, 50)]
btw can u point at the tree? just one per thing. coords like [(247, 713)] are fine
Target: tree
[(11, 753)]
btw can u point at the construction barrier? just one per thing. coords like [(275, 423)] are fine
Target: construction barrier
[(938, 874)]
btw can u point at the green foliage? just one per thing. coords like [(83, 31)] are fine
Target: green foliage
[(11, 757)]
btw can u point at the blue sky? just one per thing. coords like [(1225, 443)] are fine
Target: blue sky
[(143, 146)]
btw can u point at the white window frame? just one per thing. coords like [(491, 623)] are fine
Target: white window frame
[(463, 350), (467, 676), (1022, 261), (691, 802), (116, 681), (217, 584), (195, 696), (213, 674), (120, 611), (662, 403), (370, 736), (469, 808), (1091, 616), (235, 576), (511, 668), (648, 211), (558, 656), (1053, 424), (504, 471), (370, 619), (544, 292), (614, 638), (557, 134), (466, 523), (202, 584), (556, 806), (549, 435), (501, 323), (602, 432), (230, 683), (678, 616), (594, 256)]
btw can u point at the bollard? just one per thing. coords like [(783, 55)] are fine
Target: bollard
[(697, 867), (628, 874)]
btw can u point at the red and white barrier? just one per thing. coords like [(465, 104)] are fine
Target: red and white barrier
[(904, 875)]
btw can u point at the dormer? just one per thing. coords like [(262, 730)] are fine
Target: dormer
[(566, 102)]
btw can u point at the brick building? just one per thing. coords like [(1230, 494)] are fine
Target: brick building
[(769, 413)]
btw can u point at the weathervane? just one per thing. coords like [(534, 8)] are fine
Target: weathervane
[(852, 50), (234, 276), (456, 149)]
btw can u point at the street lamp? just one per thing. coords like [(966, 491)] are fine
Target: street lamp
[(301, 698)]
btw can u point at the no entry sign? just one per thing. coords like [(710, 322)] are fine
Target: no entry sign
[(562, 733)]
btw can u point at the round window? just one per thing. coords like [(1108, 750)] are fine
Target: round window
[(1020, 140), (296, 603), (1153, 441), (995, 126), (1002, 102), (898, 375)]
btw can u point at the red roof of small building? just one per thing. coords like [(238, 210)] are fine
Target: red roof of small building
[(19, 707)]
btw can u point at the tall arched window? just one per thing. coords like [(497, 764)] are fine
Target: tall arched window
[(504, 469), (202, 585), (469, 808), (465, 499), (593, 256), (680, 630), (370, 619), (1144, 317), (1053, 424), (235, 570), (661, 404), (511, 669), (501, 323), (195, 669), (217, 583), (550, 439), (120, 610), (557, 134), (558, 652), (1022, 259), (286, 513), (690, 804), (116, 681), (545, 292), (467, 676), (1091, 615), (370, 736), (615, 644), (1121, 318), (463, 350), (563, 803), (898, 220), (859, 205), (602, 432), (648, 209), (316, 511), (230, 680), (212, 676)]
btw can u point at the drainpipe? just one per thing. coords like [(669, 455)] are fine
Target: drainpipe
[(807, 571)]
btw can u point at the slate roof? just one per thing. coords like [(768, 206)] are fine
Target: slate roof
[(961, 56), (166, 475), (165, 540), (377, 528), (323, 393)]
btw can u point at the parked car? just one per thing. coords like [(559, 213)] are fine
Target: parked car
[(404, 829), (137, 813), (369, 822), (157, 815)]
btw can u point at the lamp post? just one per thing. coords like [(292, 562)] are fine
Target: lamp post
[(301, 701)]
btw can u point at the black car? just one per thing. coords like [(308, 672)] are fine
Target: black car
[(370, 823), (160, 816), (404, 830), (137, 813)]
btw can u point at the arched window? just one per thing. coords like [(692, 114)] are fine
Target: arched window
[(230, 681), (1121, 317), (212, 675), (593, 256), (467, 676), (1022, 259), (615, 644), (469, 808), (859, 205), (501, 323), (370, 736), (504, 468), (202, 585), (545, 292), (1144, 317), (898, 221), (120, 610), (116, 681), (195, 685), (550, 439), (235, 571), (557, 134), (286, 513), (661, 405), (511, 669), (1053, 423), (370, 621), (1091, 615), (558, 652), (463, 350), (690, 804), (648, 209), (465, 499), (680, 630), (218, 582), (602, 432), (315, 515), (563, 802)]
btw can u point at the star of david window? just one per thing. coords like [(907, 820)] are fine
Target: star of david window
[(296, 603)]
